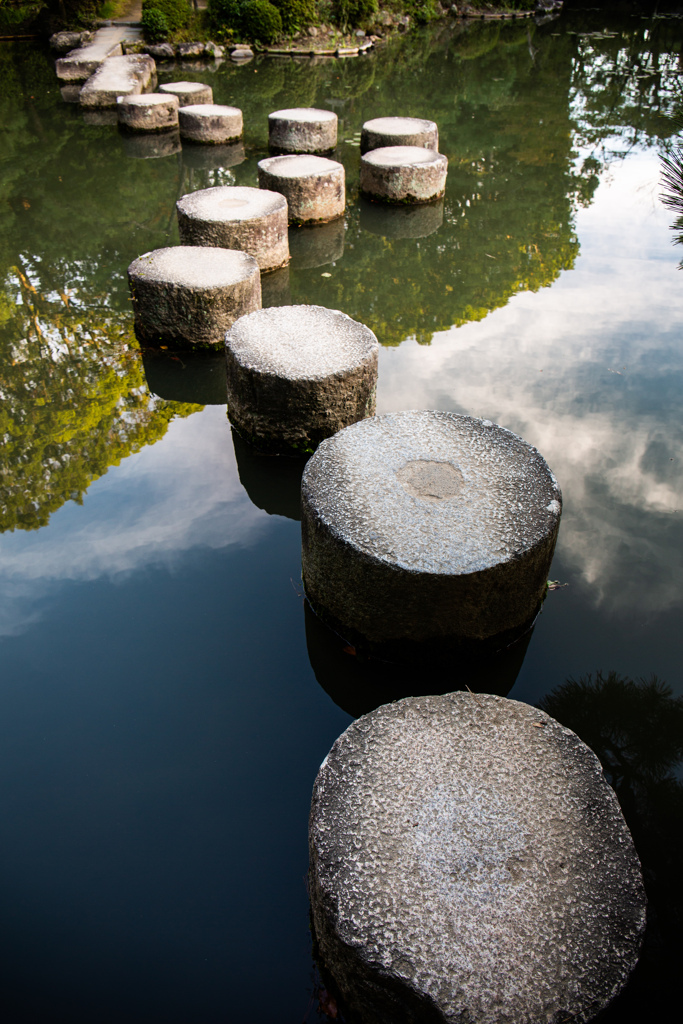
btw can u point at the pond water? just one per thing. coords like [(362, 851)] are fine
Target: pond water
[(161, 722)]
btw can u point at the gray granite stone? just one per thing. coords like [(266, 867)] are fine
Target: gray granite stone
[(119, 76), (80, 64), (211, 123), (315, 187), (161, 51), (242, 54), (190, 51), (297, 374), (302, 130), (188, 92), (65, 42), (429, 529), (403, 174), (469, 863), (192, 294), (237, 217), (151, 112), (381, 132)]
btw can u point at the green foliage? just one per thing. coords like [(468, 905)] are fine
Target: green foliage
[(176, 13), (154, 25), (225, 14), (422, 11), (295, 14), (350, 13), (262, 21)]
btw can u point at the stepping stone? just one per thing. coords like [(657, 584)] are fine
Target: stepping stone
[(237, 217), (315, 187), (242, 54), (188, 93), (118, 76), (67, 42), (403, 174), (81, 63), (297, 374), (470, 863), (151, 112), (302, 130), (188, 294), (427, 533), (211, 123), (398, 131), (397, 221)]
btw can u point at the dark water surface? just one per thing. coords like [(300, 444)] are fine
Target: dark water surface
[(161, 724)]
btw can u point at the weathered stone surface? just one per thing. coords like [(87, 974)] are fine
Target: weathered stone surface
[(241, 54), (80, 64), (151, 145), (403, 174), (297, 374), (470, 863), (215, 156), (401, 221), (64, 42), (381, 132), (161, 51), (318, 245), (428, 529), (188, 92), (213, 50), (302, 130), (314, 187), (151, 112), (237, 217), (211, 123), (190, 51), (192, 293), (119, 76)]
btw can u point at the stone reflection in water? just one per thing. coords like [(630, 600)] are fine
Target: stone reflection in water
[(316, 246), (273, 482), (211, 158), (196, 378), (275, 288), (152, 146), (636, 730), (359, 684), (100, 118), (401, 221)]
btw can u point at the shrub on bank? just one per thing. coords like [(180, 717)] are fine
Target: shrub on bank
[(176, 13), (296, 14), (351, 13), (261, 21), (155, 28)]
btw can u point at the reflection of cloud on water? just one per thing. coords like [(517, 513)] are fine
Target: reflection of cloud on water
[(590, 371), (180, 493)]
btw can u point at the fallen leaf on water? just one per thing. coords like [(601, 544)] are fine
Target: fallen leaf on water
[(556, 585), (349, 650), (326, 275)]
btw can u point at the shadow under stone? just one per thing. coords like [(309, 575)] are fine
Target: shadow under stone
[(194, 377), (358, 684), (317, 245), (401, 221), (273, 482)]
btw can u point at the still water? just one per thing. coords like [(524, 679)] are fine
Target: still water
[(161, 722)]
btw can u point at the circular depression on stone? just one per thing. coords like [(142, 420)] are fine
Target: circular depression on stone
[(187, 266), (433, 492), (230, 202)]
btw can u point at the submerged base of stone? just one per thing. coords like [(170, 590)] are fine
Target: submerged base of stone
[(273, 482)]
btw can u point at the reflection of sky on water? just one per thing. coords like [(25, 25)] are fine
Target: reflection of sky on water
[(589, 371)]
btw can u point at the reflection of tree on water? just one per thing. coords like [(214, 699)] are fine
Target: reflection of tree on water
[(636, 730)]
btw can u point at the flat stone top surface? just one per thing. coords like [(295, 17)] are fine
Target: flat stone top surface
[(183, 87), (304, 114), (399, 125), (401, 156), (147, 99), (299, 165), (470, 846), (300, 342), (231, 203), (433, 491), (194, 266), (211, 110), (118, 72)]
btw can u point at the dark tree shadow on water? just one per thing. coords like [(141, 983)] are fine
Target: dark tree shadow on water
[(636, 730)]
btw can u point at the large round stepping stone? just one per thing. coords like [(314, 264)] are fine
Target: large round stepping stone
[(211, 123), (253, 220), (188, 92), (403, 174), (150, 112), (192, 294), (428, 532), (470, 863), (302, 130), (398, 131), (297, 374), (315, 187)]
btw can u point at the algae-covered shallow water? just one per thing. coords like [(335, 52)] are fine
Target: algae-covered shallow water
[(161, 722)]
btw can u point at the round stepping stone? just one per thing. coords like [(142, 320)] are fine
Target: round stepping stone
[(188, 92), (426, 532), (398, 131), (470, 863), (315, 187), (403, 174), (210, 123), (297, 374), (302, 130), (150, 112), (192, 294), (253, 220)]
